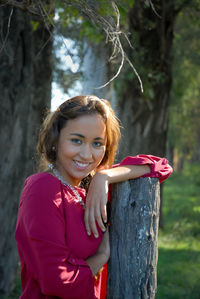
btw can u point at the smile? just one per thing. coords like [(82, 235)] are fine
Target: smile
[(81, 165)]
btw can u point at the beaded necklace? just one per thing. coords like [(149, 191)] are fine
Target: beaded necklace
[(60, 177)]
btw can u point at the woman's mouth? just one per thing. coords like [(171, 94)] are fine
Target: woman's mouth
[(81, 165)]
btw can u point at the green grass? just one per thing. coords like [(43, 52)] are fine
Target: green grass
[(179, 242)]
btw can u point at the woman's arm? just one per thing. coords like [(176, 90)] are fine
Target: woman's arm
[(41, 240), (98, 193), (129, 168), (98, 260)]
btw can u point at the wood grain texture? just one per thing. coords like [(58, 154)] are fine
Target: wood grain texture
[(134, 239)]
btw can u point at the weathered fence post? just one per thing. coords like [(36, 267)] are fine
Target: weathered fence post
[(133, 239)]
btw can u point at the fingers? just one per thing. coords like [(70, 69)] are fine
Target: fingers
[(90, 224), (104, 212), (94, 216), (98, 217)]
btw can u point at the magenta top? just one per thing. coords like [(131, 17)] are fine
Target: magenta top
[(52, 240)]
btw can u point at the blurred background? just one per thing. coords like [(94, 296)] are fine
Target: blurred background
[(144, 57)]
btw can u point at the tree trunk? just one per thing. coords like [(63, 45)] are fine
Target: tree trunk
[(133, 239), (144, 116), (96, 72), (25, 85)]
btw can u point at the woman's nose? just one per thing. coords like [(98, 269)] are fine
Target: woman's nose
[(86, 152)]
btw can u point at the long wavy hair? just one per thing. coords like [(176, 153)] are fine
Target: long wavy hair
[(71, 109)]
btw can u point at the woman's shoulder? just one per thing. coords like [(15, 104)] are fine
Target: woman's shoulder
[(42, 180), (40, 188)]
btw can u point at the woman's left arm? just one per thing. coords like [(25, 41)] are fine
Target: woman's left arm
[(129, 168), (98, 193)]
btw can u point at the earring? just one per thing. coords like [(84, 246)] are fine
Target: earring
[(53, 148)]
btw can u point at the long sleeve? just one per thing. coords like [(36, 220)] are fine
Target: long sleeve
[(40, 236), (159, 169), (159, 166)]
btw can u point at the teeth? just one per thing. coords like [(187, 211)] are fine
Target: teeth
[(81, 164)]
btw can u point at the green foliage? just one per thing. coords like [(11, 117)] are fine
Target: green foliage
[(67, 15), (179, 243), (91, 32), (79, 27), (35, 25)]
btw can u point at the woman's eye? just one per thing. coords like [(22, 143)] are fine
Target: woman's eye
[(76, 141), (97, 144)]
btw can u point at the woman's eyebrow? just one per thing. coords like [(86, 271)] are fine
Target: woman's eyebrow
[(98, 138), (78, 135), (82, 136)]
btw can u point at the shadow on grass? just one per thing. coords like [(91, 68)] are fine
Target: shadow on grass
[(178, 274)]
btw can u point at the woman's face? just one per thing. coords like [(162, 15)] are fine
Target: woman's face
[(81, 147)]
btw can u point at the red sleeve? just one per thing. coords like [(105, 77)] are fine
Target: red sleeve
[(159, 166), (159, 169), (41, 240)]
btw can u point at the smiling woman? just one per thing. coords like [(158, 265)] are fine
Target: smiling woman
[(81, 147), (61, 235)]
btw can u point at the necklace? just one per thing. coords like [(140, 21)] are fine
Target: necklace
[(60, 177)]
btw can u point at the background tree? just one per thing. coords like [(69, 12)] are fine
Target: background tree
[(184, 124), (144, 116), (25, 84), (26, 75)]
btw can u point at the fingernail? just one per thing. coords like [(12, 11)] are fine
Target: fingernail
[(96, 236), (89, 233)]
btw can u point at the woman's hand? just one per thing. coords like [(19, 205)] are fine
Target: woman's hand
[(102, 255), (96, 204), (98, 193)]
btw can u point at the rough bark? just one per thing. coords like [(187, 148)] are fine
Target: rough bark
[(25, 92), (133, 239)]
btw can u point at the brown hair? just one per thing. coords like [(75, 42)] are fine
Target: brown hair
[(70, 109)]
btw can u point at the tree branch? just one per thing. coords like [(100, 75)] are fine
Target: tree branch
[(24, 5), (8, 29), (110, 27)]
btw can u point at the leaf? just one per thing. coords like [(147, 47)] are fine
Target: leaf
[(35, 25)]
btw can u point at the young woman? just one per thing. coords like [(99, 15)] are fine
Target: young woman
[(61, 235)]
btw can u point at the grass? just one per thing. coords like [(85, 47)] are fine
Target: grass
[(179, 242)]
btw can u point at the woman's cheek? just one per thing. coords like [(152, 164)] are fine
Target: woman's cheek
[(101, 154)]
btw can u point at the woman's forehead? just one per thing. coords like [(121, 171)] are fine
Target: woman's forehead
[(86, 125)]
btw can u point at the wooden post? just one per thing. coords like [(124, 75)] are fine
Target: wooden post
[(133, 239)]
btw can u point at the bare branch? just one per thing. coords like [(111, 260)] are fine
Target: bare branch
[(8, 29), (110, 26), (153, 8), (113, 35), (135, 71), (116, 75)]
